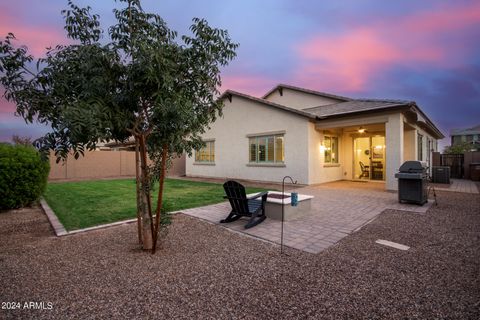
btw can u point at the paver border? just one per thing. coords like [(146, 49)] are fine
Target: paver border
[(60, 230), (57, 226)]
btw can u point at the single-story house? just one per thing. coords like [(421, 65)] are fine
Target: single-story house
[(314, 137)]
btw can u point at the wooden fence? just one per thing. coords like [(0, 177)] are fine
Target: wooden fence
[(460, 164), (103, 164)]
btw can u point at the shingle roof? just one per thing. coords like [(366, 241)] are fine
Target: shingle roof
[(355, 106), (314, 92)]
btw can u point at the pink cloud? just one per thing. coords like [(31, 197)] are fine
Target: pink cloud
[(37, 39), (446, 19), (352, 60)]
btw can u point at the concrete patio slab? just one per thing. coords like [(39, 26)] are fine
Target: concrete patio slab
[(459, 185), (339, 208)]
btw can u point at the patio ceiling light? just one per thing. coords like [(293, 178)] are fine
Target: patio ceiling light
[(361, 130)]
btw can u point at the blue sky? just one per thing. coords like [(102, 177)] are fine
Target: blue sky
[(427, 51)]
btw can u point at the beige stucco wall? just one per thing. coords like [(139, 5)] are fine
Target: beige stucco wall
[(103, 164), (410, 144), (298, 99), (242, 117), (94, 164)]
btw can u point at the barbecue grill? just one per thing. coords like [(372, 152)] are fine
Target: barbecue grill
[(412, 182)]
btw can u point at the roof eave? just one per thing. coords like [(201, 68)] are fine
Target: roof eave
[(428, 122)]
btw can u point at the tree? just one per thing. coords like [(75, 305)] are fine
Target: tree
[(461, 148), (24, 141), (145, 82)]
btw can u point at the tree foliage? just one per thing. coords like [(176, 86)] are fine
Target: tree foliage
[(24, 141), (142, 81), (461, 148)]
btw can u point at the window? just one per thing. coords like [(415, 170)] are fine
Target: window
[(420, 147), (267, 149), (207, 153), (331, 149)]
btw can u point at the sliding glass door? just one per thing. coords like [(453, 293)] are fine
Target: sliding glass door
[(369, 158)]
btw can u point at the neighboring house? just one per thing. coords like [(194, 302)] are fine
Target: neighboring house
[(314, 137), (469, 135)]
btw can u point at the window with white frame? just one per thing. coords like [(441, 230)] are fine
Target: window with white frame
[(330, 144), (207, 153), (267, 149)]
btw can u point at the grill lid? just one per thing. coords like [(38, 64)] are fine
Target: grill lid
[(413, 176), (412, 167)]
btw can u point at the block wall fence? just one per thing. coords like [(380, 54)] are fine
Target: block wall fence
[(103, 164)]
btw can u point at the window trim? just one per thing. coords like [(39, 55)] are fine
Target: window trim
[(265, 136), (330, 163), (206, 162)]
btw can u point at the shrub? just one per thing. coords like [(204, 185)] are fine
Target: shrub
[(23, 175)]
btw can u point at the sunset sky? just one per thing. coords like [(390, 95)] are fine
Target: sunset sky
[(427, 51)]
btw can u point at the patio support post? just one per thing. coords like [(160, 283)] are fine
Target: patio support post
[(394, 149)]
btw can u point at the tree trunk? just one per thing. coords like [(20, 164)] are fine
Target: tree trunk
[(147, 223), (138, 182), (160, 196)]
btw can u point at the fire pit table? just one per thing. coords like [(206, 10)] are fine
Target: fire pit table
[(273, 207)]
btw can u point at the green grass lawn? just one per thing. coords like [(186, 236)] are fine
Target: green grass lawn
[(89, 203)]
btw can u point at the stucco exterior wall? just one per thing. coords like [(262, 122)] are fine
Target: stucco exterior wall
[(243, 117), (410, 144), (299, 100)]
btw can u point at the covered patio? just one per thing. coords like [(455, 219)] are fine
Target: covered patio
[(337, 210), (369, 140)]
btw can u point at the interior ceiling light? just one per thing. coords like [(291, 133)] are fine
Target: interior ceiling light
[(361, 130)]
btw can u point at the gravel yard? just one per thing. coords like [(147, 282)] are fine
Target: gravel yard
[(205, 271)]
